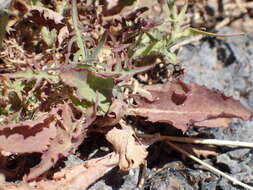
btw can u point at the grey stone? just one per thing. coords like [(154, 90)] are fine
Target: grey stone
[(238, 154)]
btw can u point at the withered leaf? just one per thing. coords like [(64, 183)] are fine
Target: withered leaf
[(82, 176), (183, 105), (114, 114), (63, 34), (78, 177), (59, 147), (131, 152), (112, 7), (28, 136), (70, 134), (47, 17)]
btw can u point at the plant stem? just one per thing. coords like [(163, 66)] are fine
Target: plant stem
[(208, 141), (217, 142), (213, 169)]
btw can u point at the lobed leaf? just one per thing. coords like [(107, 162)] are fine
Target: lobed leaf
[(29, 74), (28, 136), (47, 17), (70, 134), (78, 177), (183, 105)]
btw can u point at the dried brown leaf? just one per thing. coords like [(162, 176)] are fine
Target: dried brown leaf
[(46, 17), (82, 176), (183, 105), (214, 123), (63, 34), (78, 177), (28, 136), (131, 152), (114, 114), (70, 134)]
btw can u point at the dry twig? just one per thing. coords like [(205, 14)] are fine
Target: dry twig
[(211, 168)]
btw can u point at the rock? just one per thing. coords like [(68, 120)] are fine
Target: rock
[(238, 154)]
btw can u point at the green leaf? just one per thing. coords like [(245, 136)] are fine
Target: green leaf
[(31, 75), (193, 31), (49, 36), (88, 86), (102, 85), (78, 79), (181, 15), (100, 45), (18, 86)]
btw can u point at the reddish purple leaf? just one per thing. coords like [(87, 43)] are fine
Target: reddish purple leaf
[(70, 134), (28, 136), (183, 105)]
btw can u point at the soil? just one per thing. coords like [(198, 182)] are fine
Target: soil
[(224, 64)]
